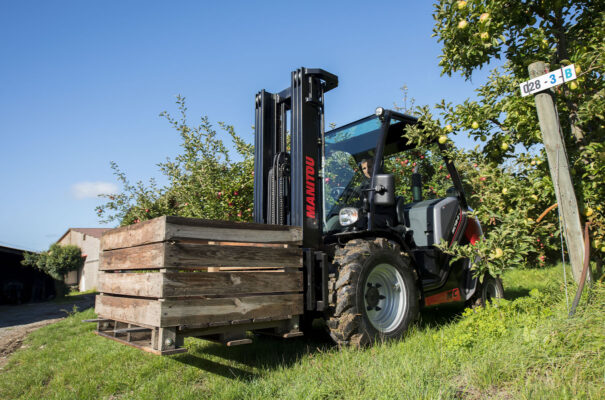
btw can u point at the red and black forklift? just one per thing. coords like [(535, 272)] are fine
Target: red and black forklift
[(369, 253)]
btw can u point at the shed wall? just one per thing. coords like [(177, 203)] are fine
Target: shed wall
[(87, 277)]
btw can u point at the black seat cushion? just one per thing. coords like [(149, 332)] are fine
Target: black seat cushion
[(399, 209)]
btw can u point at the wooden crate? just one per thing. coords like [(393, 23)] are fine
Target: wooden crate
[(171, 277)]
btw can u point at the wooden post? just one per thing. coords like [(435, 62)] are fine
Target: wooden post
[(559, 171)]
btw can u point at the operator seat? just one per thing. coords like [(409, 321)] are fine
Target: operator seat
[(401, 225), (400, 210)]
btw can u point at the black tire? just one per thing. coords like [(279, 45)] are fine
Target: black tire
[(491, 288), (354, 315)]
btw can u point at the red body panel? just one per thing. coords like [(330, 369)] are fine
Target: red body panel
[(449, 296)]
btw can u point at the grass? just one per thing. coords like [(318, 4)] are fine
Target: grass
[(526, 347), (73, 296), (76, 293)]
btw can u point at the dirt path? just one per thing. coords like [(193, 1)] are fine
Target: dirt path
[(16, 322)]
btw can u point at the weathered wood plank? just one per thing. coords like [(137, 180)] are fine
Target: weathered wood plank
[(194, 256), (199, 311), (145, 232), (194, 228), (179, 284), (191, 255), (132, 284), (251, 269), (180, 228), (150, 256), (196, 311), (143, 345), (183, 284), (132, 310)]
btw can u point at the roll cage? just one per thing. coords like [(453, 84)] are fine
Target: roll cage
[(387, 129)]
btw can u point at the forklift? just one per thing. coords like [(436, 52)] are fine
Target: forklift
[(369, 255)]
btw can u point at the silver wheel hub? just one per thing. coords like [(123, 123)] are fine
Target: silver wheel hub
[(385, 298), (491, 290)]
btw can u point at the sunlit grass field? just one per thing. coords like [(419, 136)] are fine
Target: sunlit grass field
[(525, 347)]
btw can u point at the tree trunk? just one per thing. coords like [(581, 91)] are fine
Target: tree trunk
[(60, 288)]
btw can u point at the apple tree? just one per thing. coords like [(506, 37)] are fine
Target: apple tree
[(206, 180), (508, 36), (57, 262)]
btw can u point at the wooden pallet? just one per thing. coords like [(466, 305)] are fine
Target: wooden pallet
[(171, 277)]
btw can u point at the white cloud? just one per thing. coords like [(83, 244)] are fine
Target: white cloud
[(86, 190)]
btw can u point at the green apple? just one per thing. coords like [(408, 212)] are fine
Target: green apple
[(484, 17), (504, 146), (449, 128), (533, 162), (461, 4), (475, 125), (504, 191), (484, 35), (483, 138), (462, 24), (442, 139), (573, 86), (497, 254)]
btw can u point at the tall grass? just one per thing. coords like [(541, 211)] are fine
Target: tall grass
[(525, 347)]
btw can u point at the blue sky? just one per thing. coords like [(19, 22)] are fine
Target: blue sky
[(82, 84)]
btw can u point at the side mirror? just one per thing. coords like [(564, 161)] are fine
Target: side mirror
[(384, 190)]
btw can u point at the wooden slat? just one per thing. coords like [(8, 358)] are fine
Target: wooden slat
[(183, 284), (145, 232), (132, 330), (132, 284), (250, 269), (193, 228), (144, 345), (190, 255), (194, 255), (132, 310), (200, 311), (178, 228), (196, 311), (150, 256), (177, 284)]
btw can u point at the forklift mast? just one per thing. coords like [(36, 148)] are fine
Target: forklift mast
[(286, 175)]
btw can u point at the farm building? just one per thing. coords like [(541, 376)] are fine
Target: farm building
[(22, 284), (89, 240)]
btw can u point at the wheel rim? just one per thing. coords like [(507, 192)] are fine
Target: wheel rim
[(491, 290), (385, 298)]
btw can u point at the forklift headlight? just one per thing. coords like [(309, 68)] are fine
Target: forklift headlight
[(379, 111), (348, 216)]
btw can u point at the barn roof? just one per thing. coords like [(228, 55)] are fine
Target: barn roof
[(94, 232)]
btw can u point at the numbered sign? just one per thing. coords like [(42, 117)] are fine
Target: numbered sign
[(549, 80)]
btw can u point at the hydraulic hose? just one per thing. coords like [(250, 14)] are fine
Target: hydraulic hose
[(549, 209)]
